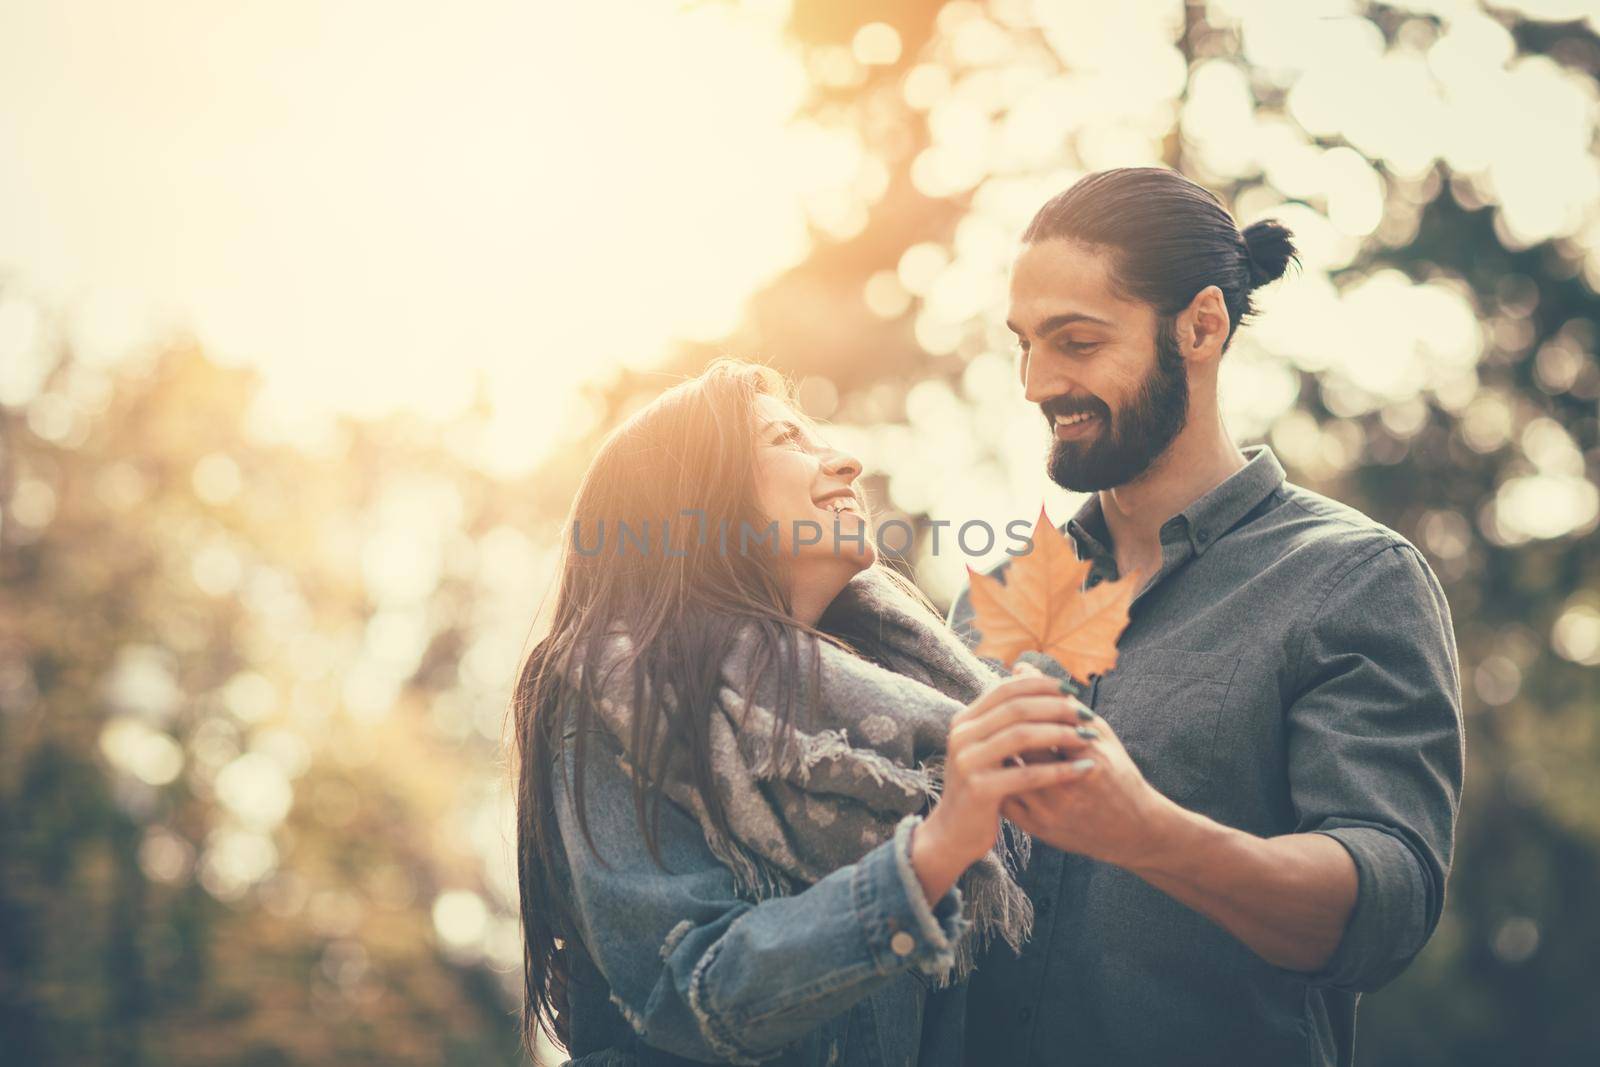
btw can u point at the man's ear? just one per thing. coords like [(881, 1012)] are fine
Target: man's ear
[(1203, 325)]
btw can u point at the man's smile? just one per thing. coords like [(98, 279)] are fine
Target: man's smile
[(1069, 427)]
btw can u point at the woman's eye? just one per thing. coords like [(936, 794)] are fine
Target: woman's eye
[(789, 435)]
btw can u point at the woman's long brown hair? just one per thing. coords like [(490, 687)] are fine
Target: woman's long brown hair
[(693, 448)]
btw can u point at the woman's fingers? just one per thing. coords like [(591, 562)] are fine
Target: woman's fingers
[(1017, 739), (1017, 686), (1050, 706), (1009, 781)]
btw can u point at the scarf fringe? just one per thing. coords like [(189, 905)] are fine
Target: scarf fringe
[(799, 757), (999, 908), (754, 877)]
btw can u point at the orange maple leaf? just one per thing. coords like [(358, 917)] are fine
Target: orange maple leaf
[(1043, 607)]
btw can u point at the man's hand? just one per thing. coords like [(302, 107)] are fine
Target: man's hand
[(1288, 898)]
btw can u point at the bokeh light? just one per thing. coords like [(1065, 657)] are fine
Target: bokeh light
[(311, 317)]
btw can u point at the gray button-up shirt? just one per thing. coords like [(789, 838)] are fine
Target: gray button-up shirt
[(1290, 669)]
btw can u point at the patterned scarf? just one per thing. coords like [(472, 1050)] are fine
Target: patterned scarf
[(867, 749)]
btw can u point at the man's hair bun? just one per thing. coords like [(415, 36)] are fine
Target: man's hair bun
[(1269, 246)]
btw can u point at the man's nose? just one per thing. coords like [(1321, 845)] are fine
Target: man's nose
[(1042, 378)]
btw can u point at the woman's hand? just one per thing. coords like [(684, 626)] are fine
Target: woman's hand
[(984, 765)]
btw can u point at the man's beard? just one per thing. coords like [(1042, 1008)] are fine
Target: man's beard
[(1132, 439)]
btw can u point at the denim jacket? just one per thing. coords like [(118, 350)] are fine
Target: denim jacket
[(673, 965)]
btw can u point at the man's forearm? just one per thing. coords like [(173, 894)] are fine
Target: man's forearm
[(1288, 898)]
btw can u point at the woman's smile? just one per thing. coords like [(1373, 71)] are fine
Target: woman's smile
[(842, 502)]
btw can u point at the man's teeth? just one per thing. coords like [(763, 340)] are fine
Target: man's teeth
[(1069, 420)]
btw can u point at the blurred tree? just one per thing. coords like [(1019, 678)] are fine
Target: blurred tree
[(241, 795)]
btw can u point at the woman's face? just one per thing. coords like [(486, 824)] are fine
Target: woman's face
[(809, 489)]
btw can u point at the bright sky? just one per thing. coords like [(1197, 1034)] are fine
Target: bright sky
[(374, 200)]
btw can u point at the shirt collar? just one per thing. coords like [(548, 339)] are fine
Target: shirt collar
[(1211, 515)]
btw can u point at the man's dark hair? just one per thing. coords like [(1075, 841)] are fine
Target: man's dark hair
[(1171, 238)]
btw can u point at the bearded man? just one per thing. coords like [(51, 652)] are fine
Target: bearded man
[(1267, 828)]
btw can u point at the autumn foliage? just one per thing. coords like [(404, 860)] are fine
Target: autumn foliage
[(1043, 607)]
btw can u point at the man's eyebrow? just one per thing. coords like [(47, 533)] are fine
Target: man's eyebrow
[(1055, 322)]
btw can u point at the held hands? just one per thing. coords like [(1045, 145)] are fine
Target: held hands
[(995, 750), (1108, 812)]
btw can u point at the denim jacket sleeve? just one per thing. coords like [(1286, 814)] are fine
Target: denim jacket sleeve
[(703, 973), (1376, 755)]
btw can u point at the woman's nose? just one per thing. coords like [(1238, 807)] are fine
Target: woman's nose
[(845, 464)]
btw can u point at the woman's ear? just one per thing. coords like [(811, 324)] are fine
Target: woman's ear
[(1203, 326)]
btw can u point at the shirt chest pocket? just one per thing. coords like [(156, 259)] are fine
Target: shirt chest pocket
[(1166, 704)]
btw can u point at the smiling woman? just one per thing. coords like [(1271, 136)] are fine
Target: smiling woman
[(725, 755), (377, 203)]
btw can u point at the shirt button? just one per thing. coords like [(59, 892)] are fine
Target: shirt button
[(1043, 907), (1200, 535), (1025, 1014), (903, 944)]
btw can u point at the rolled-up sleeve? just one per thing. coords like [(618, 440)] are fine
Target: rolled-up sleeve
[(703, 973), (1376, 753)]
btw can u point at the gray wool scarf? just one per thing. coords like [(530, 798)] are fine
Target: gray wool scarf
[(867, 750)]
